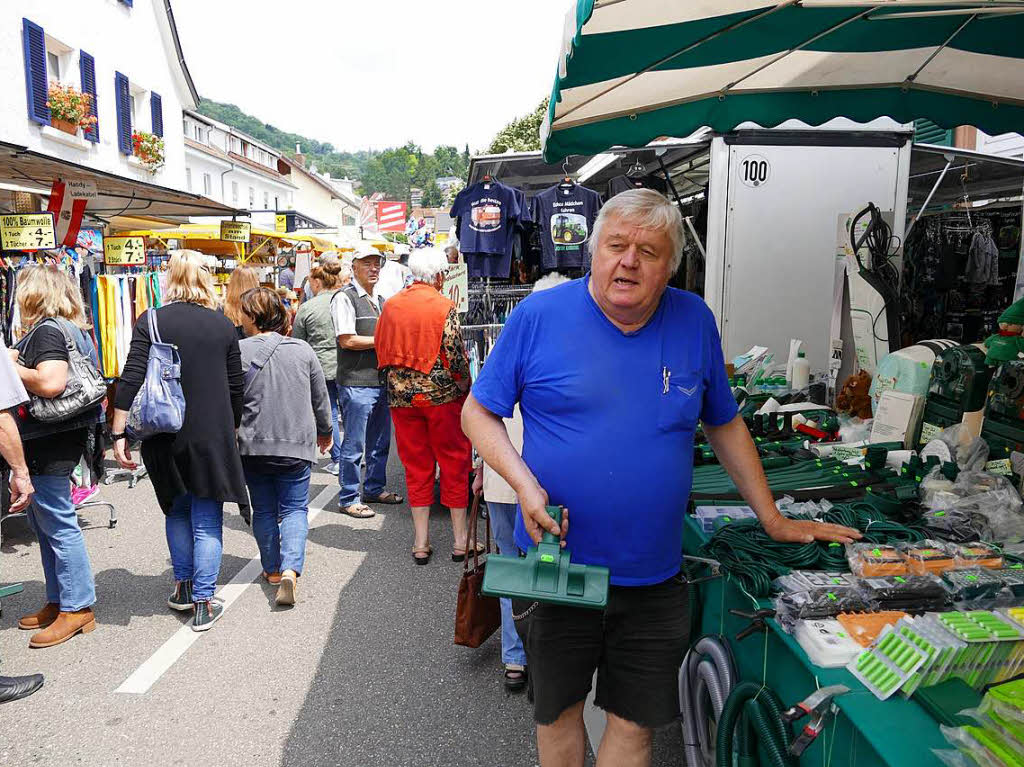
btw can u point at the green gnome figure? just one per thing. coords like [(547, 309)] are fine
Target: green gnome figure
[(1007, 344)]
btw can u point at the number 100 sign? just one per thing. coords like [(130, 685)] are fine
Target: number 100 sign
[(124, 251)]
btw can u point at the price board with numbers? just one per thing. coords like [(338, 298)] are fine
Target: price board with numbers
[(27, 231), (456, 286), (124, 251)]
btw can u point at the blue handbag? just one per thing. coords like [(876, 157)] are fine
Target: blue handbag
[(159, 406)]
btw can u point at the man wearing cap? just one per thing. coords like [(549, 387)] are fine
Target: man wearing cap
[(363, 405)]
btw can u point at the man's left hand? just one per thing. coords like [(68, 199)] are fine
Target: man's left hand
[(324, 442), (787, 530)]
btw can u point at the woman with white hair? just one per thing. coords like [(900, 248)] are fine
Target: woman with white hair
[(198, 469), (419, 344)]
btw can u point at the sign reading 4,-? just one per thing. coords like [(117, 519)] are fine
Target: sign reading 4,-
[(27, 231)]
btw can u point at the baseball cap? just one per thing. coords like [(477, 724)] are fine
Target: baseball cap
[(362, 250)]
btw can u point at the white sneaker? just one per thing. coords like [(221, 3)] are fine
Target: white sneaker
[(332, 468)]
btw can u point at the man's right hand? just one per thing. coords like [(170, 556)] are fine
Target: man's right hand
[(21, 491), (534, 502)]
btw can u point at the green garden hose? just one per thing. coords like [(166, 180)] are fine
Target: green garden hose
[(757, 713)]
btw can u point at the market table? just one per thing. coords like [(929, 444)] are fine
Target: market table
[(867, 731)]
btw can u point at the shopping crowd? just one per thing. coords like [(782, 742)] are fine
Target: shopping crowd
[(589, 400)]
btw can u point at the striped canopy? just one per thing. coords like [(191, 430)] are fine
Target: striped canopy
[(632, 70)]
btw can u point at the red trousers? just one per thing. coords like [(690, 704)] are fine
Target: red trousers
[(429, 436)]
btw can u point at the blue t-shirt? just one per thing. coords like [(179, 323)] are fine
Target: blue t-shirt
[(488, 211), (565, 215), (601, 434)]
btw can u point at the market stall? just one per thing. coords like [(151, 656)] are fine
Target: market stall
[(870, 652)]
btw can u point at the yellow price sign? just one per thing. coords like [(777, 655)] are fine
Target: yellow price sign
[(27, 231), (280, 223), (235, 231), (124, 251)]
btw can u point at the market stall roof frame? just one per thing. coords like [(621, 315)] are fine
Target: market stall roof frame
[(530, 172), (117, 195), (210, 233), (632, 70), (988, 177)]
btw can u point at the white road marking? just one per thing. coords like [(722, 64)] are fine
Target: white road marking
[(146, 675), (594, 719)]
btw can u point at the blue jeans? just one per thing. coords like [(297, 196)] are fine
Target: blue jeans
[(366, 419), (66, 568), (195, 528), (332, 395), (280, 504), (503, 523)]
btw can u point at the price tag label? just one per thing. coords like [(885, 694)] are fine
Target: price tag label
[(124, 251), (235, 231), (1002, 466), (27, 231), (456, 286), (929, 431)]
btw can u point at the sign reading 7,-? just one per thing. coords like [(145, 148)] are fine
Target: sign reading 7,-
[(124, 251), (27, 231)]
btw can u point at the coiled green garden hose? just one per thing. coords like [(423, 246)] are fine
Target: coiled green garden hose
[(757, 712)]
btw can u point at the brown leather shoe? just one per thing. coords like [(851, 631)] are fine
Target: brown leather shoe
[(65, 627), (41, 619), (272, 578)]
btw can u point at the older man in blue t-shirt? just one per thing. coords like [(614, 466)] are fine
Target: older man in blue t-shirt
[(612, 374)]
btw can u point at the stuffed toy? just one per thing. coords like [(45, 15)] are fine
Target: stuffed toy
[(855, 396), (1007, 344)]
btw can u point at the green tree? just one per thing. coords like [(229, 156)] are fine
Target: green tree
[(522, 134), (432, 197)]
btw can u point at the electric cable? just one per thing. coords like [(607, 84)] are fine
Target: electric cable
[(879, 273)]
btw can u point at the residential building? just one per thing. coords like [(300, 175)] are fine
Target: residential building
[(127, 56), (230, 166)]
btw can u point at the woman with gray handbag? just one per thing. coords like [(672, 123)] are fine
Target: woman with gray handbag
[(53, 363), (193, 458)]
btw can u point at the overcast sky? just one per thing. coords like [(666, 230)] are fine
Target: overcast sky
[(375, 73)]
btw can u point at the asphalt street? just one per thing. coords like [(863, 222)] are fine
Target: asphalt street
[(362, 671)]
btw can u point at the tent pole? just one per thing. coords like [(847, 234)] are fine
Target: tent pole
[(949, 161)]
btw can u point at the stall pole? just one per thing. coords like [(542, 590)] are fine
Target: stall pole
[(949, 161)]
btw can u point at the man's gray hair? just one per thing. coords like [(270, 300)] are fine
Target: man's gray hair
[(426, 264), (646, 209)]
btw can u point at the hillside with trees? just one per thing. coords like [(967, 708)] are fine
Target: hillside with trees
[(394, 172)]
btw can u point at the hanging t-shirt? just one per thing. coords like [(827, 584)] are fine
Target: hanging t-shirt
[(487, 213), (565, 216), (620, 184), (482, 265)]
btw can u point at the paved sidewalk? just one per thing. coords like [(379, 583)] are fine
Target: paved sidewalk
[(361, 672)]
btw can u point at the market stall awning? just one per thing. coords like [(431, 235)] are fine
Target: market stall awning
[(117, 196), (205, 238), (630, 71)]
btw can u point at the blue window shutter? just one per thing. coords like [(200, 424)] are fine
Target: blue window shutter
[(156, 106), (34, 42), (124, 113), (87, 66)]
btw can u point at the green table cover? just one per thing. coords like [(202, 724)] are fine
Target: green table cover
[(866, 732)]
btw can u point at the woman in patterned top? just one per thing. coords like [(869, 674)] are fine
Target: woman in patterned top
[(419, 344)]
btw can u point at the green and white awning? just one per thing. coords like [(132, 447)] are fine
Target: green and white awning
[(631, 71)]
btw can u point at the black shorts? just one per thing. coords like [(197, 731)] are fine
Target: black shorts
[(636, 645)]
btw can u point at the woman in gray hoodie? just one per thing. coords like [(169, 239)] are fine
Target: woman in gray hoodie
[(286, 416)]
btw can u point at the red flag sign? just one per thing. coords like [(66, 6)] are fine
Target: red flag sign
[(390, 216), (68, 210)]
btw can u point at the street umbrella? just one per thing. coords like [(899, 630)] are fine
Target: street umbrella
[(630, 71)]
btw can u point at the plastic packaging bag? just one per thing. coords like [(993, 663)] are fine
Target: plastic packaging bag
[(992, 502), (875, 559)]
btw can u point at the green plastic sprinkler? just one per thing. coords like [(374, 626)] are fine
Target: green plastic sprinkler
[(545, 574)]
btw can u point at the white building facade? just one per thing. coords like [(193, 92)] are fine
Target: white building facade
[(231, 167), (125, 54)]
